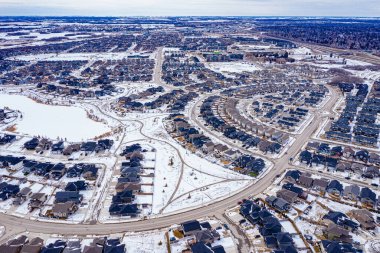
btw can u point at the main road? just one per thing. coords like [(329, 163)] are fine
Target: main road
[(16, 225)]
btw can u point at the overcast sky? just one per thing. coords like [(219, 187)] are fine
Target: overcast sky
[(191, 7)]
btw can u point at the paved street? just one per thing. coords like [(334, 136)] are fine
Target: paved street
[(15, 225)]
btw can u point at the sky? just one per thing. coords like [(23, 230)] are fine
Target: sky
[(362, 8)]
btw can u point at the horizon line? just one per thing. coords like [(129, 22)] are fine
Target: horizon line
[(187, 16)]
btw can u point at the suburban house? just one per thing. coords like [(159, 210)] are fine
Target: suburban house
[(278, 203), (367, 196), (337, 233), (365, 218), (320, 184), (335, 187), (68, 196), (351, 192), (64, 210), (191, 227), (37, 200), (287, 195)]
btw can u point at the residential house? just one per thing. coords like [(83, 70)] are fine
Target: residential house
[(64, 210), (58, 171), (8, 190), (367, 197), (351, 192), (337, 233), (90, 172), (6, 139), (306, 157), (88, 147), (278, 203), (362, 155), (287, 195), (22, 196), (10, 248), (11, 163), (231, 154), (135, 188), (264, 146), (208, 147), (313, 146), (37, 200), (292, 176), (73, 246), (44, 144), (200, 247), (374, 158), (191, 227), (270, 226), (219, 149), (371, 172), (69, 150), (343, 166), (320, 184), (31, 248), (358, 168), (55, 247), (43, 169), (365, 218), (340, 219), (284, 240), (335, 187), (123, 197), (300, 192), (130, 210), (328, 246), (77, 186), (305, 181), (206, 236), (104, 144), (67, 196), (31, 144), (58, 148), (348, 152)]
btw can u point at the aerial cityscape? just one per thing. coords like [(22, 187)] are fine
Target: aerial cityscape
[(203, 133)]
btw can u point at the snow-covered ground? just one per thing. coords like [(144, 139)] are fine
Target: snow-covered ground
[(148, 242), (74, 56), (206, 195), (233, 67), (52, 122), (300, 53), (2, 230)]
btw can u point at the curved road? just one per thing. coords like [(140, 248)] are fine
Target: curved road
[(16, 225)]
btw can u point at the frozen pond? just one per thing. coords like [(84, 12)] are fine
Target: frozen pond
[(51, 121)]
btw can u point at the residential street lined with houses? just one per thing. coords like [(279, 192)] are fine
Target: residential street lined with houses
[(188, 135)]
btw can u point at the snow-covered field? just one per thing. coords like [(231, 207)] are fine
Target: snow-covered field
[(233, 67), (52, 122), (74, 56), (145, 242)]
